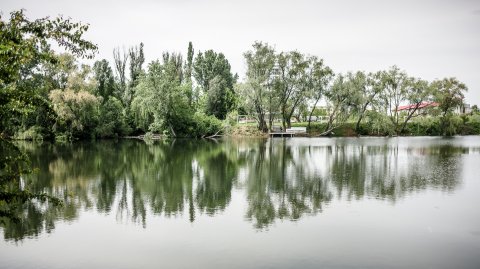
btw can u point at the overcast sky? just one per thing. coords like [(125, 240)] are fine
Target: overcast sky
[(428, 39)]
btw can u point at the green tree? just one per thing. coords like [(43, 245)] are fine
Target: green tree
[(210, 66), (417, 93), (449, 93), (58, 72), (161, 102), (367, 88), (105, 82), (291, 83), (341, 99), (136, 62), (320, 77), (112, 121), (219, 98), (259, 79), (188, 73), (120, 61), (22, 42), (77, 112), (395, 85)]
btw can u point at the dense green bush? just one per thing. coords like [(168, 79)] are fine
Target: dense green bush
[(206, 125), (379, 124), (474, 123), (112, 120)]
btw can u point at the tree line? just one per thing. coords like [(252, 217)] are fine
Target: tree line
[(193, 96), (289, 84)]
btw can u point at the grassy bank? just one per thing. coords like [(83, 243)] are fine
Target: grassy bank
[(429, 126)]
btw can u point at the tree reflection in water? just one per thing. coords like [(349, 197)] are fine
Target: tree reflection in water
[(283, 179)]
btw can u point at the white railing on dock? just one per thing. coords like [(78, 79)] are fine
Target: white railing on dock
[(297, 130)]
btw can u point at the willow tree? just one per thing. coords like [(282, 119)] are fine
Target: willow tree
[(161, 103), (292, 83), (341, 99), (395, 84), (367, 89), (449, 93), (159, 97), (418, 92), (260, 65), (320, 77)]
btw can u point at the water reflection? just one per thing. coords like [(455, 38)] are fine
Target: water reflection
[(281, 178)]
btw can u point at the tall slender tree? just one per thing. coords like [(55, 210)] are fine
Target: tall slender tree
[(260, 66), (105, 81), (120, 60), (136, 62), (320, 77), (395, 84)]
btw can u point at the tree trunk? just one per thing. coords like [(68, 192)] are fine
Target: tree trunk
[(364, 108), (311, 113), (284, 118), (357, 126), (263, 124), (410, 115), (173, 132)]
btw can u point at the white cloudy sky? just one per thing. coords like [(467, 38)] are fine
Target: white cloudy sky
[(427, 38)]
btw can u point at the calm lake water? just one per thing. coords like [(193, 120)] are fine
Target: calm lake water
[(255, 203)]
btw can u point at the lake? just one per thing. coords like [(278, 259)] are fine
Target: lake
[(251, 203)]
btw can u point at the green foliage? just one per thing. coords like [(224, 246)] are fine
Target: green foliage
[(257, 88), (189, 66), (120, 63), (449, 124), (379, 124), (22, 41), (220, 98), (136, 61), (212, 73), (77, 112), (395, 85), (474, 124), (112, 120), (449, 92), (290, 84), (24, 46), (159, 101), (341, 97), (205, 125), (319, 78), (105, 81)]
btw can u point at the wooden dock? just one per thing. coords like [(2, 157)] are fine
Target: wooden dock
[(281, 134), (290, 132)]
